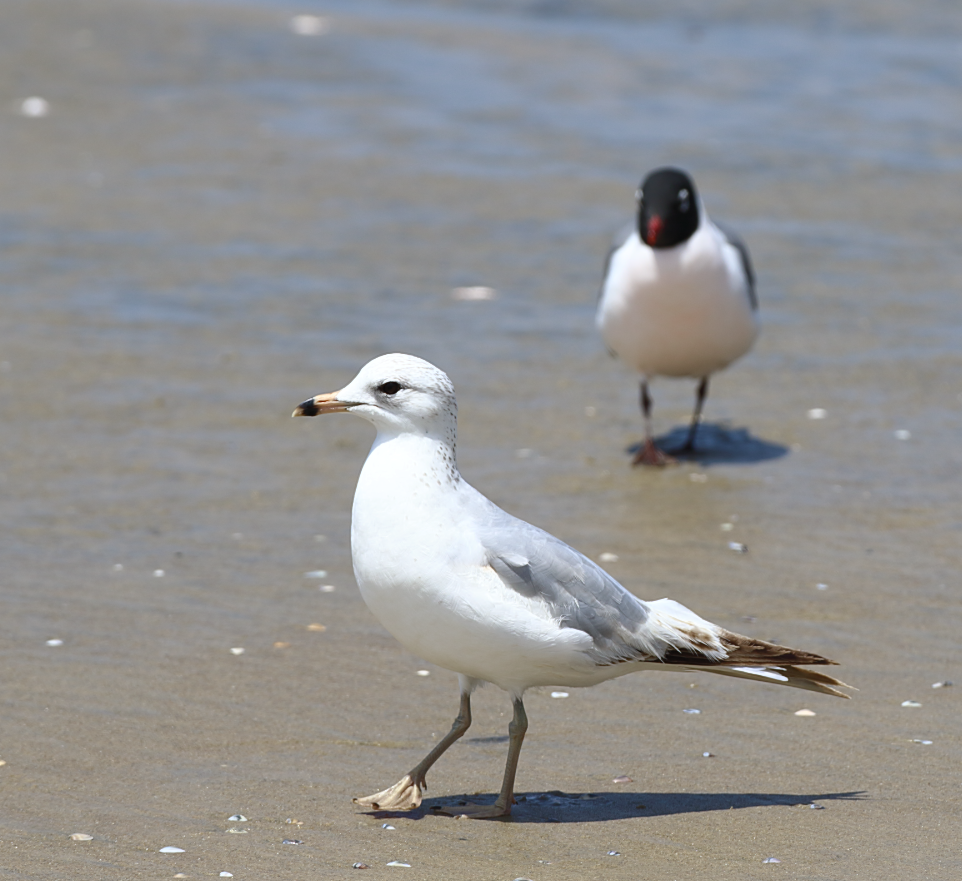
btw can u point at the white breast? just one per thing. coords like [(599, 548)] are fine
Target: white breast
[(423, 574), (680, 311)]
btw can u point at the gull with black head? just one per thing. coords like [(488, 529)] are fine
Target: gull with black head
[(468, 587), (678, 296)]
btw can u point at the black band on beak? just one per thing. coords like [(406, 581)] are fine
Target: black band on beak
[(308, 408)]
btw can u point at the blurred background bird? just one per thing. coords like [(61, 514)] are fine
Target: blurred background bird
[(678, 297)]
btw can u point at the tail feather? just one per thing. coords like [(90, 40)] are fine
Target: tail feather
[(700, 645), (743, 651), (796, 677)]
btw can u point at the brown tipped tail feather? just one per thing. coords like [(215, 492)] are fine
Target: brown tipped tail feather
[(761, 661)]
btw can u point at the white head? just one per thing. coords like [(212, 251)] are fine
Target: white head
[(398, 394)]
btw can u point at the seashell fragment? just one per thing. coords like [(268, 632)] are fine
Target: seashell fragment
[(292, 841), (316, 573), (691, 711), (81, 836), (171, 849), (804, 712), (473, 292), (771, 860), (316, 628), (309, 25), (388, 826), (738, 547), (423, 672), (360, 866), (559, 694), (34, 107), (237, 650), (54, 642), (817, 413), (608, 557), (399, 863), (911, 704), (622, 778)]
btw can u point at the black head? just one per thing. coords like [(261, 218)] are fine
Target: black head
[(667, 208)]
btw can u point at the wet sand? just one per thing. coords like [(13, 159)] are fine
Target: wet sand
[(218, 218)]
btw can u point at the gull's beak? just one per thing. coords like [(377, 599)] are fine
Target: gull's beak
[(322, 404)]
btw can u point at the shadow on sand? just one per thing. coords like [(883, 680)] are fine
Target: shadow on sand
[(574, 807), (718, 443)]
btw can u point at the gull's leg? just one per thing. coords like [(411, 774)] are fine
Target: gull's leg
[(502, 807), (700, 396), (405, 795), (649, 454)]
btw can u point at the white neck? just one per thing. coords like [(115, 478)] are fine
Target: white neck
[(400, 482)]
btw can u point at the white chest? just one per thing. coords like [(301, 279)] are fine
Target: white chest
[(681, 311)]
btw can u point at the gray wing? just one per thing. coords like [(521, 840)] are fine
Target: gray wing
[(738, 243), (578, 593)]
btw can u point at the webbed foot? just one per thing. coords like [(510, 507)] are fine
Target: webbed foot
[(475, 812), (405, 795), (649, 454)]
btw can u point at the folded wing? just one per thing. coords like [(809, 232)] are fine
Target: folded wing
[(577, 593)]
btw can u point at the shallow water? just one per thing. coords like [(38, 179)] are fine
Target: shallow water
[(219, 218)]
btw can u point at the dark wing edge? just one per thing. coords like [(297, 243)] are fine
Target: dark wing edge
[(738, 243), (762, 661)]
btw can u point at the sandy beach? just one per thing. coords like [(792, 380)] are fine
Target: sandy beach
[(210, 217)]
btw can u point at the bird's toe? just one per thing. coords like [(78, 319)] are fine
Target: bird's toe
[(650, 455), (405, 795), (475, 812)]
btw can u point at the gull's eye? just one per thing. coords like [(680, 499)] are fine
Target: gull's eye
[(683, 200), (389, 388)]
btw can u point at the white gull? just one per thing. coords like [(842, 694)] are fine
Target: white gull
[(463, 584), (678, 296)]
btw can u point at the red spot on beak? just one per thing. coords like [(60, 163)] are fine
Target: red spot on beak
[(655, 226)]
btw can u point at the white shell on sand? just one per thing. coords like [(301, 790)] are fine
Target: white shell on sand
[(309, 25)]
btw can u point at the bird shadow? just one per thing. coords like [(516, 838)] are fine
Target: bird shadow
[(718, 443), (596, 807)]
